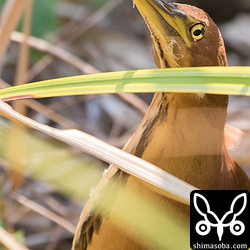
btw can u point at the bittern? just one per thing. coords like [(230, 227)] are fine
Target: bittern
[(182, 133)]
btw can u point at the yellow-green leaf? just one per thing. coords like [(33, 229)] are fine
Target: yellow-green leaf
[(213, 80)]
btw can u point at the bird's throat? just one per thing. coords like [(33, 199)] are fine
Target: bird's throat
[(184, 134)]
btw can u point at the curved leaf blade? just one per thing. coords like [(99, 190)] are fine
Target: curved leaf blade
[(211, 80)]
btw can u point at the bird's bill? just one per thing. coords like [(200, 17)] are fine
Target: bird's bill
[(168, 27)]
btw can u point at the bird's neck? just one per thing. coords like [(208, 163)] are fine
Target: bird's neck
[(183, 133), (194, 124)]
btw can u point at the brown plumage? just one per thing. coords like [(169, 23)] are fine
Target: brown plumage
[(181, 133)]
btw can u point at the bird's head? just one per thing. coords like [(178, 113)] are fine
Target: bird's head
[(183, 35)]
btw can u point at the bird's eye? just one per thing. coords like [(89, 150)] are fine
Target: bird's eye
[(197, 31)]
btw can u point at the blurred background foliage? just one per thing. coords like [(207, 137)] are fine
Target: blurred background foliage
[(104, 35)]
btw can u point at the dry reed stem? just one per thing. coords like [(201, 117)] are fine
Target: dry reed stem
[(9, 241)]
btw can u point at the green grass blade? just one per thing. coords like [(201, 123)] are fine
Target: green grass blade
[(213, 80)]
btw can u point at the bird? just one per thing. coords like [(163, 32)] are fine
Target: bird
[(181, 133)]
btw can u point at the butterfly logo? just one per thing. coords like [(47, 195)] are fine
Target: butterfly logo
[(236, 227)]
